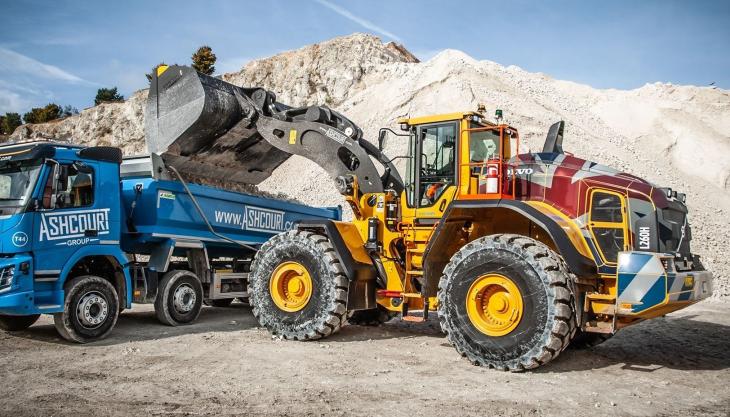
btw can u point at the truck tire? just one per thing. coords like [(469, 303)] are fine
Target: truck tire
[(372, 317), (179, 298), (16, 323), (90, 310), (297, 288), (586, 340), (506, 302)]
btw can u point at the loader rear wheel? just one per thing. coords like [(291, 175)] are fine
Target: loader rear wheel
[(179, 298), (298, 289), (16, 323), (506, 302), (374, 317)]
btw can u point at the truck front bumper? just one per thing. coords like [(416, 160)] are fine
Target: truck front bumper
[(18, 295), (648, 285)]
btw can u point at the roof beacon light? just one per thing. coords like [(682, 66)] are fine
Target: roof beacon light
[(498, 115)]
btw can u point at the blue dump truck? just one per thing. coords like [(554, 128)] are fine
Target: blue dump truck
[(84, 234)]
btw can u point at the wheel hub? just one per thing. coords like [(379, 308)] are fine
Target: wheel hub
[(290, 286), (92, 309), (184, 298), (494, 304)]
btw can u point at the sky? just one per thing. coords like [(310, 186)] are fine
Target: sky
[(63, 51)]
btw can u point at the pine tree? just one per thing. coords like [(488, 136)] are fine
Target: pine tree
[(107, 95), (204, 60)]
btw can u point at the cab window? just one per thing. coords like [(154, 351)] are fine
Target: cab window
[(484, 146), (436, 161), (607, 224), (74, 189)]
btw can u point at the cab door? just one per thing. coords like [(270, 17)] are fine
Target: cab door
[(69, 215), (431, 172)]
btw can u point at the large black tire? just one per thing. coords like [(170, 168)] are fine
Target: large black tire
[(586, 340), (324, 313), (16, 323), (179, 298), (90, 310), (548, 320), (373, 317)]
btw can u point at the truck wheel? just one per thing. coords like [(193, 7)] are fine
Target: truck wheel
[(373, 317), (16, 323), (90, 310), (586, 340), (298, 289), (506, 302), (179, 298)]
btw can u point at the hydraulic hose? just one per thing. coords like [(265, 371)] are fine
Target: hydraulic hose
[(205, 219)]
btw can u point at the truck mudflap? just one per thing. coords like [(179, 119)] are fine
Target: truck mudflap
[(649, 286)]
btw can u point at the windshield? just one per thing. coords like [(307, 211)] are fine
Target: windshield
[(17, 179)]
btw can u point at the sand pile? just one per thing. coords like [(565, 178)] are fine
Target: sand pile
[(676, 136)]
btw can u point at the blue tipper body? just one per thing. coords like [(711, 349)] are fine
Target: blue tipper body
[(40, 244)]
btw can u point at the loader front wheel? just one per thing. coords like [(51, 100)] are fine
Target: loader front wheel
[(297, 287), (506, 302)]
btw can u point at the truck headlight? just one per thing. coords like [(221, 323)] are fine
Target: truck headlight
[(6, 276)]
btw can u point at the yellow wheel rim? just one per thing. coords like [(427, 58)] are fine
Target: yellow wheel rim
[(290, 286), (494, 304)]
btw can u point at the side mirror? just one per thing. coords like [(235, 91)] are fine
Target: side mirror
[(381, 139)]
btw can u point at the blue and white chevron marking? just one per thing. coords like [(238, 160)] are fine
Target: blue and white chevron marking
[(642, 280)]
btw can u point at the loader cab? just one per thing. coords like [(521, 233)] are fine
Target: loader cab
[(455, 156)]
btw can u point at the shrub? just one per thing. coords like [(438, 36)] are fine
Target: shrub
[(9, 123), (52, 111)]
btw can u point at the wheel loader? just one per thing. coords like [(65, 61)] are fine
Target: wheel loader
[(519, 254)]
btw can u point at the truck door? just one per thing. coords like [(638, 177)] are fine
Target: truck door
[(70, 215)]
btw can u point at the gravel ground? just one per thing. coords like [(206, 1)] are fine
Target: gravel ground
[(225, 365)]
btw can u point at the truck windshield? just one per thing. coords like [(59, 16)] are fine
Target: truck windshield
[(17, 179)]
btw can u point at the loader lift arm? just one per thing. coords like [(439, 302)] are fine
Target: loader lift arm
[(189, 114)]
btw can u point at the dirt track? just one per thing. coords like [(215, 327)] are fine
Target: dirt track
[(225, 365)]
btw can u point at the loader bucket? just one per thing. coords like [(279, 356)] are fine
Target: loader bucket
[(192, 121)]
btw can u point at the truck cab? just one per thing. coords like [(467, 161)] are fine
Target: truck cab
[(61, 221)]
